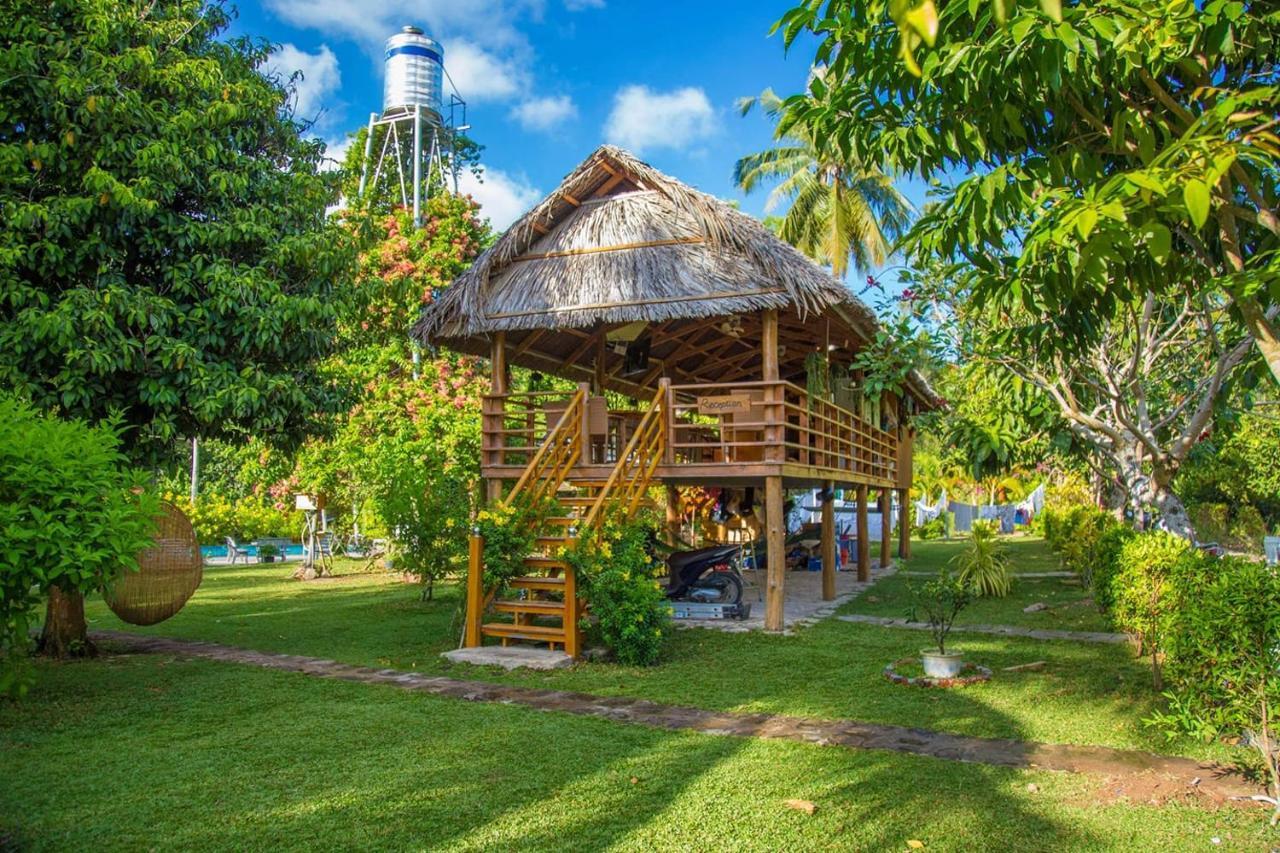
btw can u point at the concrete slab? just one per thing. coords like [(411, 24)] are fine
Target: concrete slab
[(510, 657)]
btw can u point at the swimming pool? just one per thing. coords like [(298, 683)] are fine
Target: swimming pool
[(219, 552)]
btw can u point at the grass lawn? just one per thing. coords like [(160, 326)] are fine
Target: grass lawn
[(1071, 607), (144, 752), (1088, 694)]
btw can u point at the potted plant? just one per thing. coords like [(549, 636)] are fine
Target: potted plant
[(941, 599), (1271, 546), (268, 553)]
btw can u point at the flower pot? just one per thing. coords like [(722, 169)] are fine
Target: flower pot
[(941, 666), (267, 558)]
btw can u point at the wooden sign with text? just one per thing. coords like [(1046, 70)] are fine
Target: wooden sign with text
[(726, 404)]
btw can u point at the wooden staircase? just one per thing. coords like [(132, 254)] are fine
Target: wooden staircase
[(545, 607)]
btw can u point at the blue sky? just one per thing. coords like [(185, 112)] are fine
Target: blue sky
[(548, 80)]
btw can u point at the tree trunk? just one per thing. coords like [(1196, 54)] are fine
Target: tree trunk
[(1154, 491), (1264, 332), (65, 633)]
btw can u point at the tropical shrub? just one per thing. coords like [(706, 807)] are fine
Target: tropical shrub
[(982, 565), (941, 598), (1210, 520), (73, 515), (510, 534), (1107, 563), (1247, 529), (931, 529), (216, 517), (618, 578), (1157, 571), (427, 513), (1223, 651), (1079, 547), (948, 523)]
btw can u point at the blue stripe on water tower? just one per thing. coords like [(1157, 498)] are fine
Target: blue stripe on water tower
[(413, 50)]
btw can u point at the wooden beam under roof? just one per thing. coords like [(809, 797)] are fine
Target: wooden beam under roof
[(529, 341)]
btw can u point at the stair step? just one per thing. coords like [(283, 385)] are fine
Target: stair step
[(523, 632), (538, 582), (552, 541), (537, 562), (529, 605), (564, 520), (577, 501)]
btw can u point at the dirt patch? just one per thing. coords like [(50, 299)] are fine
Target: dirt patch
[(1157, 789)]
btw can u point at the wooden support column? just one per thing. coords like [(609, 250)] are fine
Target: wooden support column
[(600, 362), (886, 527), (904, 525), (773, 394), (475, 590), (828, 541), (775, 544), (864, 546), (673, 514)]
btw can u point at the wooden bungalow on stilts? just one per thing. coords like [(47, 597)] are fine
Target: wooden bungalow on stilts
[(626, 280)]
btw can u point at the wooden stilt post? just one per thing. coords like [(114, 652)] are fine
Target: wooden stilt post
[(904, 525), (864, 546), (828, 542), (773, 451), (475, 590), (886, 527), (775, 544), (673, 514)]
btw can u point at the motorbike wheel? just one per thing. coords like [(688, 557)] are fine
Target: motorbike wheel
[(727, 585)]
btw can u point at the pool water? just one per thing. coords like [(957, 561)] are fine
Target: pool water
[(220, 551)]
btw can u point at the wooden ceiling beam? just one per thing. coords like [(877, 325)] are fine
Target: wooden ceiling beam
[(529, 340)]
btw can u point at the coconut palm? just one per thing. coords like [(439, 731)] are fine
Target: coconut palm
[(840, 210)]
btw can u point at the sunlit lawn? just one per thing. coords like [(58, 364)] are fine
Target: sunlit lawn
[(142, 751)]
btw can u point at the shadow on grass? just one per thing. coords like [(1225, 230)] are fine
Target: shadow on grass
[(144, 751)]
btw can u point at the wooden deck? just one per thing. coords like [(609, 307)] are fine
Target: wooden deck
[(713, 434)]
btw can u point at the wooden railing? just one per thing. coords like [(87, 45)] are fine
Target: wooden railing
[(556, 456), (630, 477), (775, 422), (515, 425)]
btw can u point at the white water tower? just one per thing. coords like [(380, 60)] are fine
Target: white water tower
[(416, 129)]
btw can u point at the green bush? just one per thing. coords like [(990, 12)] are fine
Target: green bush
[(619, 580), (1079, 546), (1223, 649), (931, 529), (510, 531), (948, 523), (72, 516), (1107, 563), (982, 565), (215, 517), (1247, 529), (1156, 573), (941, 598), (1211, 521)]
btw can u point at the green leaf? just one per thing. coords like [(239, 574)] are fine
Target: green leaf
[(1052, 8), (1085, 222), (1195, 196), (1158, 241)]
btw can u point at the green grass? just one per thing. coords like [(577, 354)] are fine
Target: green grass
[(145, 752), (1071, 607), (1087, 694)]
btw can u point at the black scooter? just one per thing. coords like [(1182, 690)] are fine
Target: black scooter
[(705, 576)]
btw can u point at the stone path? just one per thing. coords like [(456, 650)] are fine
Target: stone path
[(1000, 630), (1204, 779)]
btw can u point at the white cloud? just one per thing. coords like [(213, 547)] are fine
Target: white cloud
[(545, 113), (486, 52), (320, 79), (502, 197), (481, 75), (579, 5), (644, 119), (335, 152)]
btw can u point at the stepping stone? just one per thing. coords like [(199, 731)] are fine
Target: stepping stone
[(510, 657)]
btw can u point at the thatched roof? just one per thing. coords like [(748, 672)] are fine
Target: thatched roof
[(618, 242)]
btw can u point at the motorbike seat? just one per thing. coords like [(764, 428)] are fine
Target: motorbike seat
[(680, 559)]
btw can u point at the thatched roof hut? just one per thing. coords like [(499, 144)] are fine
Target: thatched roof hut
[(619, 243)]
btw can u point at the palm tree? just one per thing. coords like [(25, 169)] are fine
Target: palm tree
[(839, 210)]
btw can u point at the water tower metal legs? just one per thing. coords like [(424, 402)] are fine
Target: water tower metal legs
[(417, 166)]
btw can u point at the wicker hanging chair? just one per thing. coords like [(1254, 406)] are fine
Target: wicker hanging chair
[(168, 573)]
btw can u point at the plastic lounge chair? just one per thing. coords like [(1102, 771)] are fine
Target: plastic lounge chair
[(235, 552)]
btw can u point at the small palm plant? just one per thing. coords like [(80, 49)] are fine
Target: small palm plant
[(982, 565)]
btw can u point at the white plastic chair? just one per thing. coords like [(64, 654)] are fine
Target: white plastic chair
[(234, 552)]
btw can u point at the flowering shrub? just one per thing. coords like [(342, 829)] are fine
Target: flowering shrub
[(618, 578), (216, 516), (509, 531)]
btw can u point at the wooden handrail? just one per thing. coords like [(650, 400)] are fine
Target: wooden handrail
[(636, 463), (558, 452)]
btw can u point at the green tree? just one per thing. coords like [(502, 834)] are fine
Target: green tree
[(165, 252), (1112, 148), (73, 515), (841, 208)]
